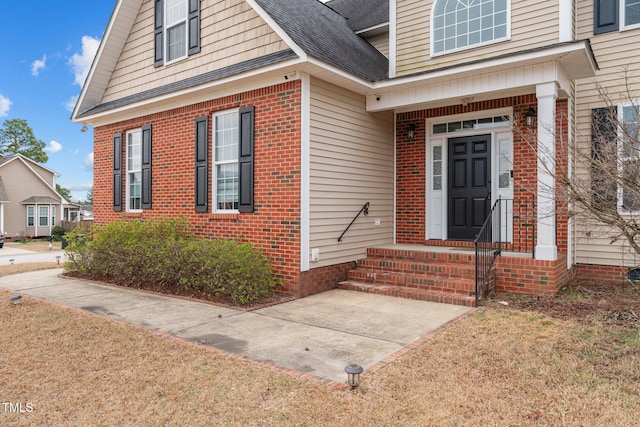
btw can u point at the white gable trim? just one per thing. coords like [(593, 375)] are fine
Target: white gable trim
[(113, 41)]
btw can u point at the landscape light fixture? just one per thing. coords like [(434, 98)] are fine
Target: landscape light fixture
[(411, 131), (530, 117), (353, 371)]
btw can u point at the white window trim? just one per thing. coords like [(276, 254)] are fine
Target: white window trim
[(474, 46), (128, 171), (165, 36), (40, 216), (622, 159), (31, 216), (623, 27), (215, 163)]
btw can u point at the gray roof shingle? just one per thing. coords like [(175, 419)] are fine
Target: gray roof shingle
[(323, 33), (41, 200), (362, 14)]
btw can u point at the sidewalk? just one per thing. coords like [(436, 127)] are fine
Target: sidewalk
[(317, 335)]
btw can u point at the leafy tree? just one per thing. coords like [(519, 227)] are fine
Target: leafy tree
[(90, 197), (64, 192), (16, 137)]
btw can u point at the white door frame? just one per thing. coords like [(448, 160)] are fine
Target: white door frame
[(437, 161)]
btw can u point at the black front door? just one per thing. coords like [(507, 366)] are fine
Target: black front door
[(469, 185)]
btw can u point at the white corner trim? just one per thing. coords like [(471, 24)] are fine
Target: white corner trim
[(565, 21), (393, 53), (305, 175)]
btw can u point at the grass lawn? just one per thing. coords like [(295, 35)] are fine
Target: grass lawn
[(573, 360)]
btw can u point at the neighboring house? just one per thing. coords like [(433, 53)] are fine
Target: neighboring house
[(277, 121), (30, 205)]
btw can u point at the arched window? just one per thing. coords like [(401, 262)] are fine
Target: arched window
[(460, 24)]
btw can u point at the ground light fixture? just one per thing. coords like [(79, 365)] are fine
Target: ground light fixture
[(530, 117), (353, 371)]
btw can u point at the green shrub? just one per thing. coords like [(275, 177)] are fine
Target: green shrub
[(164, 252), (57, 232)]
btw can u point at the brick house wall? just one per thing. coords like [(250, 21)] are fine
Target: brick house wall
[(411, 163), (275, 223)]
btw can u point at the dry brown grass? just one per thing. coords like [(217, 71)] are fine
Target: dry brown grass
[(498, 367), (33, 245)]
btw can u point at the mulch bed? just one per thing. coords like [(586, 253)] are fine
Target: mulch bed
[(584, 300)]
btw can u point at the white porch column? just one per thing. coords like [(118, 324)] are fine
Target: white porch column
[(546, 248)]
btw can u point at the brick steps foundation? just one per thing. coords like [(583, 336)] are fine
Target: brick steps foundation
[(438, 276)]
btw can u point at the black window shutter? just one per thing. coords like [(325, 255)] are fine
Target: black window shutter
[(202, 164), (194, 26), (158, 34), (246, 159), (605, 16), (604, 134), (146, 167), (117, 172)]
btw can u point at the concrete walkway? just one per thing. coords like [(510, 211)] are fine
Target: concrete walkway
[(317, 335)]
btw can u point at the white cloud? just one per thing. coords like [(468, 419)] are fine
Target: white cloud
[(79, 187), (71, 103), (53, 147), (88, 161), (5, 104), (38, 65), (81, 62)]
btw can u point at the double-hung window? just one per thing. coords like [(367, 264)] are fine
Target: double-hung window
[(134, 170), (175, 22), (226, 135), (615, 15), (43, 216), (176, 30), (462, 24), (629, 154), (31, 216)]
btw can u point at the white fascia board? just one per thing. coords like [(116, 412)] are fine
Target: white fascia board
[(111, 45), (255, 79), (279, 31), (501, 74)]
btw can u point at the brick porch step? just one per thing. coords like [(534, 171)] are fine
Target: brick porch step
[(429, 274), (410, 293)]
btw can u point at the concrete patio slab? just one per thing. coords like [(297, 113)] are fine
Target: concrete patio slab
[(317, 335)]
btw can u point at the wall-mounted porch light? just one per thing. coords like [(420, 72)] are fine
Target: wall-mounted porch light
[(353, 371), (411, 131), (530, 117)]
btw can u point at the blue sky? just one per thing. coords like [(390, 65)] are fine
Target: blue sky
[(47, 48)]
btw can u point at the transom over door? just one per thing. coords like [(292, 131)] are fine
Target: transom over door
[(469, 185)]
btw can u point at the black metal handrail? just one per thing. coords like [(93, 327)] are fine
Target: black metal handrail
[(487, 248), (509, 226), (364, 209)]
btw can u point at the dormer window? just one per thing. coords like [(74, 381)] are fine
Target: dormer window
[(462, 24), (176, 30)]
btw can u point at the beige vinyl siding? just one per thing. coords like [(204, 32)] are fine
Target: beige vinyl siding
[(231, 32), (613, 52), (380, 42), (20, 183), (533, 24), (351, 163)]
